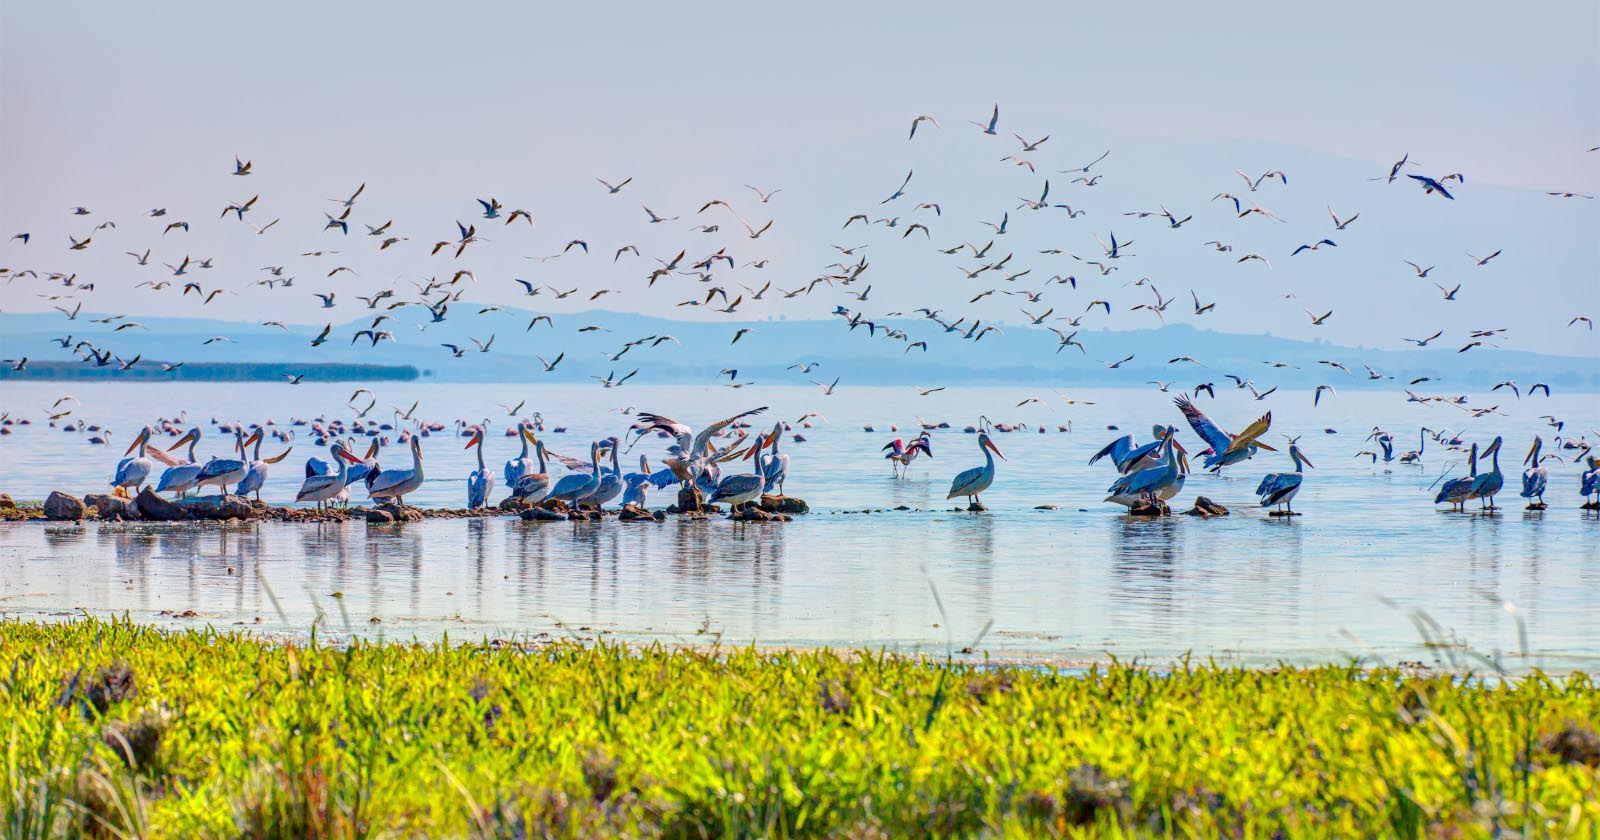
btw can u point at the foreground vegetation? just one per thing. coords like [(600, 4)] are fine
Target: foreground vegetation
[(112, 730)]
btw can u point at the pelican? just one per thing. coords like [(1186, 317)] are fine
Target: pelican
[(480, 482), (1281, 488), (225, 471), (777, 466), (1456, 491), (637, 484), (132, 471), (521, 465), (576, 485), (1166, 490), (1128, 456), (610, 484), (1150, 483), (324, 487), (972, 482), (1535, 477), (1591, 481), (743, 488), (255, 474), (533, 487), (693, 451), (395, 484), (182, 478), (1489, 483), (1226, 449)]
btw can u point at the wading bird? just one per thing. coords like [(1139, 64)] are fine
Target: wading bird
[(1281, 488), (973, 482)]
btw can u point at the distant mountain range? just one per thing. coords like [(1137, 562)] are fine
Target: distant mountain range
[(699, 350)]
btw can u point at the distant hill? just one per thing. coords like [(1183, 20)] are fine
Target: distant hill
[(698, 350), (151, 370)]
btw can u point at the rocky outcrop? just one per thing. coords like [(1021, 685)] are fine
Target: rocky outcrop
[(112, 507), (152, 506), (537, 514), (226, 506), (6, 503), (784, 504), (1205, 508), (1156, 510), (60, 507)]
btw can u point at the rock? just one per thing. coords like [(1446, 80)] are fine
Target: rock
[(784, 504), (634, 513), (751, 513), (690, 499), (379, 515), (6, 503), (398, 513), (1284, 513), (225, 506), (60, 507), (152, 506), (976, 507), (1158, 509), (541, 515), (1584, 506), (111, 507), (1205, 508)]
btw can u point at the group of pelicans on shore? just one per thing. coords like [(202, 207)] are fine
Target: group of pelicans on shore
[(1148, 474)]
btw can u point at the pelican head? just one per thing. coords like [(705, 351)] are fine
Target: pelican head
[(985, 442), (416, 446), (476, 439), (1299, 457), (1492, 448), (142, 437), (189, 437), (1533, 454), (254, 436)]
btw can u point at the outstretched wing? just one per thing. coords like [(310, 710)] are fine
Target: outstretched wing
[(1202, 425), (655, 422), (1117, 449), (1250, 433), (702, 441)]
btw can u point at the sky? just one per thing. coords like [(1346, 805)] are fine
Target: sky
[(125, 107)]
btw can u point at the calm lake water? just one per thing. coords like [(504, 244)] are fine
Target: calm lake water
[(1078, 583)]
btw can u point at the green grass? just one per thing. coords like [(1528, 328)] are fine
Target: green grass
[(113, 730)]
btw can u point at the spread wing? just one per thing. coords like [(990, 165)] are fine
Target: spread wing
[(1250, 433), (1202, 425), (655, 422), (702, 441), (570, 463), (1117, 449)]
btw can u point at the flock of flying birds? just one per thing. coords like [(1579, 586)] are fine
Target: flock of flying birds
[(722, 238)]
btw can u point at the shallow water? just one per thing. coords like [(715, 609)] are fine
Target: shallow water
[(1078, 583)]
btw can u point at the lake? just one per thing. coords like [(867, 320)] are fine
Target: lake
[(1076, 584)]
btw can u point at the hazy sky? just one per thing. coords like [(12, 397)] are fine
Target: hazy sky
[(123, 107)]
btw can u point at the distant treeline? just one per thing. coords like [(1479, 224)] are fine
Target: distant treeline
[(150, 371)]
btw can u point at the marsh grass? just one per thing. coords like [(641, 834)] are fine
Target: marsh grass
[(220, 735)]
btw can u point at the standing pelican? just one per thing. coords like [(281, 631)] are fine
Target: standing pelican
[(610, 484), (521, 465), (1152, 483), (743, 488), (1590, 485), (533, 487), (576, 485), (480, 482), (225, 471), (1166, 490), (777, 463), (1226, 449), (324, 487), (972, 482), (255, 474), (1489, 483), (181, 479), (395, 484), (1456, 491), (1281, 488), (637, 485), (134, 469), (1535, 477)]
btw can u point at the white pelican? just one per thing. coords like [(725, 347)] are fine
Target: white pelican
[(521, 465), (610, 484), (1153, 483), (976, 480), (1281, 488), (637, 484), (480, 482), (132, 471), (323, 488), (182, 478), (1590, 480), (533, 487), (1536, 477), (224, 471), (1155, 460), (742, 488), (395, 484), (255, 474), (576, 485), (777, 467), (693, 450)]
